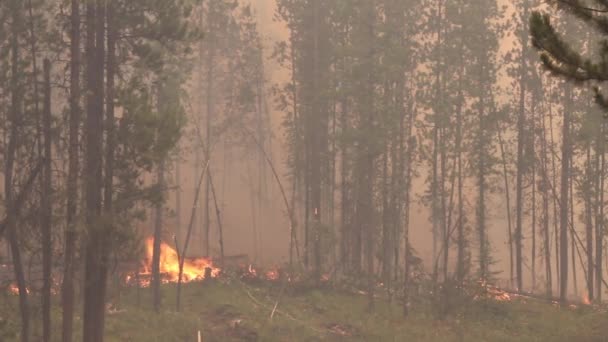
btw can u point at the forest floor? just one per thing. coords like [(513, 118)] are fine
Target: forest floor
[(232, 310)]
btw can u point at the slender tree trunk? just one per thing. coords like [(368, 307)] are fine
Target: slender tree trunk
[(573, 233), (406, 220), (508, 200), (532, 148), (13, 123), (546, 232), (555, 199), (520, 175), (386, 229), (47, 208), (96, 250), (589, 224), (158, 225), (178, 198), (67, 291), (460, 271), (210, 65), (565, 178), (599, 222)]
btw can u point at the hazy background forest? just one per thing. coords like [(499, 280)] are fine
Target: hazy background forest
[(164, 162)]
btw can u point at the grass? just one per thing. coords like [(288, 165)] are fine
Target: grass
[(230, 310)]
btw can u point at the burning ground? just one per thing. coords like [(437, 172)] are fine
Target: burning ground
[(242, 302), (233, 307)]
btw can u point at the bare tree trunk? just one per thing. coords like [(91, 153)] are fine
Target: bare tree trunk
[(13, 122), (460, 265), (508, 200), (96, 251), (67, 291), (210, 65), (47, 208), (178, 198), (589, 224), (565, 178), (599, 221), (555, 198), (520, 174), (158, 225), (406, 220), (532, 148), (545, 192), (572, 231)]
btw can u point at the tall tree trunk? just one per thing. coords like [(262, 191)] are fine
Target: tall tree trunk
[(178, 198), (565, 178), (406, 220), (210, 65), (67, 291), (508, 200), (555, 197), (316, 136), (545, 192), (158, 225), (96, 250), (599, 221), (484, 249), (533, 150), (460, 265), (589, 224), (47, 209), (519, 186), (13, 123), (572, 225)]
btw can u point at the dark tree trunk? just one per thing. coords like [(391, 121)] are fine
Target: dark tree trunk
[(158, 225), (47, 209), (565, 178), (545, 192), (96, 250), (13, 123), (67, 291), (599, 221), (589, 225)]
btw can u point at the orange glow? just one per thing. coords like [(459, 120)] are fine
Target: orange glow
[(585, 299), (272, 275), (13, 289), (194, 269)]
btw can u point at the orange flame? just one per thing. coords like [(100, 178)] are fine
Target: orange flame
[(194, 269), (13, 289), (272, 275), (585, 299)]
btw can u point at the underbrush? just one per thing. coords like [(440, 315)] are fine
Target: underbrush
[(233, 310)]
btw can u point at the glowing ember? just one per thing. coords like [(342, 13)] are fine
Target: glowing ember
[(252, 270), (272, 275), (14, 289), (194, 269)]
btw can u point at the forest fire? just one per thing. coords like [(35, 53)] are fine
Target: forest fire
[(14, 289), (196, 269)]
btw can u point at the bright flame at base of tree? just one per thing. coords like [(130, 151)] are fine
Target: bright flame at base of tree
[(196, 269)]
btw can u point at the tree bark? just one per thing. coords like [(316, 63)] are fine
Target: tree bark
[(565, 178), (47, 208), (158, 224), (67, 290), (14, 122), (96, 245)]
